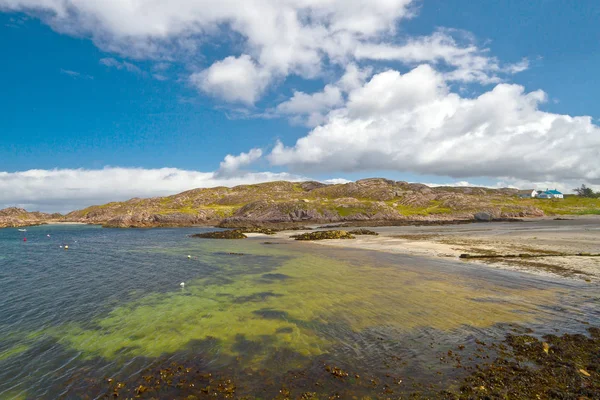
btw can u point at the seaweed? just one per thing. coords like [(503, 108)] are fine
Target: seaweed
[(322, 235), (231, 234)]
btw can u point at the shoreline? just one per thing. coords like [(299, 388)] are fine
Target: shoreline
[(312, 224), (562, 241)]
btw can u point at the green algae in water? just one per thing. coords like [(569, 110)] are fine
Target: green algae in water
[(320, 298), (13, 351), (15, 395)]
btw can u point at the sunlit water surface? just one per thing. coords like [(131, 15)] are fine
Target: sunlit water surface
[(111, 305)]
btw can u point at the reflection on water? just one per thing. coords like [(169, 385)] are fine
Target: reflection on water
[(111, 305)]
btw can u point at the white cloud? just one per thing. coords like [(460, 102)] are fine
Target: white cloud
[(401, 122), (63, 190), (233, 79), (310, 109), (272, 39), (75, 74), (336, 181), (467, 62), (113, 63), (302, 103), (232, 164), (354, 77), (413, 122)]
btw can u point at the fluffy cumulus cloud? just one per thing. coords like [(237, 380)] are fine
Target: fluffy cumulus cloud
[(413, 122), (367, 116), (274, 38), (310, 109), (231, 165), (65, 190), (463, 60), (233, 79)]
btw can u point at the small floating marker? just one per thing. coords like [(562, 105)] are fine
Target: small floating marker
[(61, 247), (189, 256), (66, 247), (48, 235), (24, 239), (182, 284)]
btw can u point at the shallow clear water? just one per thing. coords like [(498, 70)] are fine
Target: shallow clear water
[(111, 305)]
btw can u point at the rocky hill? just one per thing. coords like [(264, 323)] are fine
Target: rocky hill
[(288, 203), (17, 217)]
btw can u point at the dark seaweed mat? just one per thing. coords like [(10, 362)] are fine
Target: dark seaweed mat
[(526, 367), (520, 367)]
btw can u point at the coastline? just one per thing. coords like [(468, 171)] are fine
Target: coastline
[(563, 241)]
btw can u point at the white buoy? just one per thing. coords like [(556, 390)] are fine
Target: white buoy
[(61, 247), (189, 256), (182, 284), (48, 235), (66, 247)]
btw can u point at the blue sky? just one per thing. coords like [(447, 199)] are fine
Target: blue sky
[(95, 88)]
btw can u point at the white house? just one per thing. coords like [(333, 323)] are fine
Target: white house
[(550, 194)]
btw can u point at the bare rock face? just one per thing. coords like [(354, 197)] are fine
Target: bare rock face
[(17, 217), (146, 220), (267, 211), (526, 212), (312, 185)]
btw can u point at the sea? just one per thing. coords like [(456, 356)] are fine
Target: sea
[(88, 312)]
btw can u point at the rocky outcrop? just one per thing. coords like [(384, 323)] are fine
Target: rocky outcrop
[(146, 220), (292, 204), (483, 217), (17, 217), (271, 211)]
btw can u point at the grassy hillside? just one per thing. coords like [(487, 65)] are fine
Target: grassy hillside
[(288, 202), (570, 205), (368, 199)]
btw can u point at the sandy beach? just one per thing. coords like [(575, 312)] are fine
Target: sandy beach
[(559, 240)]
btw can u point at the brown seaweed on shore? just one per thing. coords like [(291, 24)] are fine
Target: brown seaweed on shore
[(522, 366), (555, 367), (230, 234), (363, 231), (323, 235), (526, 255)]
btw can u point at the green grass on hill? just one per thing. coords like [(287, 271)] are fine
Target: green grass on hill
[(569, 205)]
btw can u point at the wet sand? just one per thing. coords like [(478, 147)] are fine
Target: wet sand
[(538, 237)]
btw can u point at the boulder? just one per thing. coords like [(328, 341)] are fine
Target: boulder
[(483, 217)]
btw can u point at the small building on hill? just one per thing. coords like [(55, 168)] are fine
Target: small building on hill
[(527, 194), (550, 194)]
